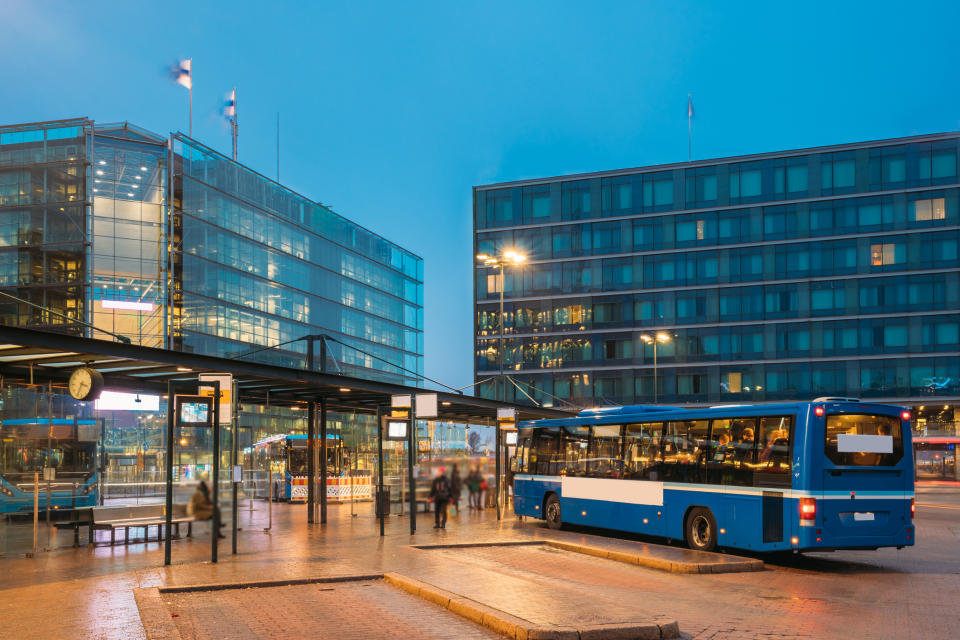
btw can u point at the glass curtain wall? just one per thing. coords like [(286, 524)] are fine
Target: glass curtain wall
[(257, 265), (43, 223)]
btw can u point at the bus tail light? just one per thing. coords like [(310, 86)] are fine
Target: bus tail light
[(808, 512), (818, 411), (913, 508), (905, 416)]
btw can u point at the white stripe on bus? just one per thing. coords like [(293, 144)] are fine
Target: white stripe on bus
[(748, 491)]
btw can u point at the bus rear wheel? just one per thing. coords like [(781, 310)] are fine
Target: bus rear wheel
[(551, 512), (700, 530)]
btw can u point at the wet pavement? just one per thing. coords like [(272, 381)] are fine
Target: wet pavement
[(376, 610), (88, 592)]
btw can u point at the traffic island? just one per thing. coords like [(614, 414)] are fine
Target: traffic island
[(520, 629), (651, 556)]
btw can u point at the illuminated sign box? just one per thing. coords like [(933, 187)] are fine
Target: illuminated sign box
[(396, 429), (127, 305), (119, 401)]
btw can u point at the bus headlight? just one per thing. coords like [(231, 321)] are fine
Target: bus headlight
[(5, 491)]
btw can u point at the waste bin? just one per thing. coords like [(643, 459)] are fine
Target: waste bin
[(383, 501)]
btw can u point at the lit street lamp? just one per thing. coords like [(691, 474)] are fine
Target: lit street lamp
[(512, 258), (648, 339)]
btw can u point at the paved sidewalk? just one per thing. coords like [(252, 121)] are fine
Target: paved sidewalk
[(338, 611), (88, 592)]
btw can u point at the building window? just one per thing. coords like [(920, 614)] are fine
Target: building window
[(616, 194), (885, 254), (838, 174), (576, 199), (536, 203), (745, 183), (930, 209), (493, 283), (790, 179), (657, 193)]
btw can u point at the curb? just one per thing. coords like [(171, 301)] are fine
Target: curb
[(154, 615), (255, 584), (520, 629), (738, 566), (467, 545)]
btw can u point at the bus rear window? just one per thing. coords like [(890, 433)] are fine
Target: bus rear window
[(864, 440)]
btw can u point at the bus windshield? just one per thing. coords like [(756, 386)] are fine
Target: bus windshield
[(863, 440)]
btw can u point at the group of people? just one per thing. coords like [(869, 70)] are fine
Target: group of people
[(446, 491)]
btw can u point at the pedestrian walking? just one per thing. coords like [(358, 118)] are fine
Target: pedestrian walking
[(440, 495), (456, 488), (473, 486), (201, 507)]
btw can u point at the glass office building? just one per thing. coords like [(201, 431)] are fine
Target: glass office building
[(171, 244), (830, 271)]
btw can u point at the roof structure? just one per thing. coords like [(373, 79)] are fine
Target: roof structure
[(28, 356)]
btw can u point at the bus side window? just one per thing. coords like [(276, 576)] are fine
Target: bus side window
[(773, 451), (575, 441), (603, 460), (685, 451), (642, 450)]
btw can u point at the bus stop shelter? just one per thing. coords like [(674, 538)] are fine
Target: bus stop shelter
[(34, 357)]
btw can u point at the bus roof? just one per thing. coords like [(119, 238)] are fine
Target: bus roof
[(46, 421), (644, 413)]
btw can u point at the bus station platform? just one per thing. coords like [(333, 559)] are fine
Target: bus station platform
[(342, 580)]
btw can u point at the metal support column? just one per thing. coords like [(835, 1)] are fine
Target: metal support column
[(498, 471), (323, 461), (171, 411), (380, 494), (215, 497), (234, 461), (311, 468), (412, 460)]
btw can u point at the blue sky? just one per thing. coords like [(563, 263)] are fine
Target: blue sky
[(391, 112)]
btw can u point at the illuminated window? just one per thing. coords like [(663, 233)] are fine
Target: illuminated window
[(932, 209), (884, 254)]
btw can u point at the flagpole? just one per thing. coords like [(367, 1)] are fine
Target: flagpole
[(689, 129), (234, 122), (191, 102)]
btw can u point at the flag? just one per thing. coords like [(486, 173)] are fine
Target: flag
[(230, 106), (182, 74), (689, 106)]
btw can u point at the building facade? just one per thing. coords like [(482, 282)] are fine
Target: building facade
[(830, 271), (168, 243)]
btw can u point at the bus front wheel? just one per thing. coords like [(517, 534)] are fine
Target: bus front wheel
[(551, 512), (700, 530)]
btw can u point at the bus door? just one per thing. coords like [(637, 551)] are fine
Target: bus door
[(866, 478)]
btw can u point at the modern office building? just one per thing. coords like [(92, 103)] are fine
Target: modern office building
[(168, 243), (830, 271)]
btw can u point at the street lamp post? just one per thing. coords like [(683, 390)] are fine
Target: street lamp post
[(659, 337), (499, 262)]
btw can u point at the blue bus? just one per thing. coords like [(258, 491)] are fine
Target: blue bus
[(286, 456), (30, 445), (830, 474)]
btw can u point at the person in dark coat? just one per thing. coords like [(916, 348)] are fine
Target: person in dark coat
[(202, 508), (456, 486), (473, 486), (440, 495)]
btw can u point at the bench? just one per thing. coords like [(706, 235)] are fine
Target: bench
[(135, 517), (422, 498)]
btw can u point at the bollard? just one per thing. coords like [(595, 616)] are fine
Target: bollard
[(36, 509)]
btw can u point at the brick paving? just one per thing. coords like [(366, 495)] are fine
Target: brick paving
[(339, 611), (88, 593)]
